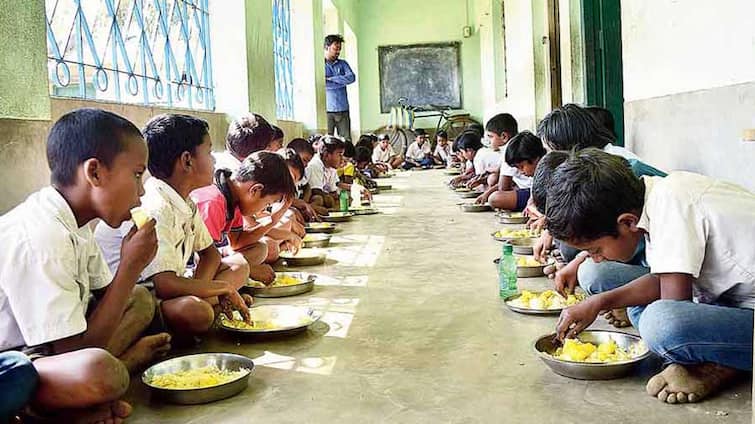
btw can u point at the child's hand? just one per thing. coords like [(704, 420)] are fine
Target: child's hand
[(576, 318), (542, 246), (139, 247), (481, 199), (566, 280), (234, 302)]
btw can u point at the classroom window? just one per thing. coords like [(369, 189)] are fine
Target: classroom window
[(284, 81), (153, 52)]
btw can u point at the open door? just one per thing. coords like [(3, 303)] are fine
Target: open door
[(604, 81)]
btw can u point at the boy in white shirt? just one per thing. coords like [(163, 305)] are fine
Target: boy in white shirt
[(384, 153), (695, 307), (419, 153), (80, 347), (522, 154), (499, 130), (322, 175), (442, 154), (246, 135), (180, 161)]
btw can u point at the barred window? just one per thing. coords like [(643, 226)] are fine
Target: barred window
[(284, 84), (153, 52)]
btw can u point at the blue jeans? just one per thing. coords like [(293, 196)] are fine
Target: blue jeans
[(426, 162), (603, 276), (18, 380)]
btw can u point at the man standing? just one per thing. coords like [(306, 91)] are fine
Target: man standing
[(338, 75)]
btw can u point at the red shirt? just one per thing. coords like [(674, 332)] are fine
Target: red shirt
[(213, 208)]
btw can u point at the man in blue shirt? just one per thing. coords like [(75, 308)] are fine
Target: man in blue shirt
[(338, 75)]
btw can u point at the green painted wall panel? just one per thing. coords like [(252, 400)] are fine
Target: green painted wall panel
[(259, 57)]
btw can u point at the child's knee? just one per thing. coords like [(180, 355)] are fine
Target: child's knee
[(143, 306), (660, 327), (273, 251), (105, 376), (189, 314)]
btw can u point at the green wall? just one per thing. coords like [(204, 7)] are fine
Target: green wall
[(23, 60), (259, 57), (388, 22)]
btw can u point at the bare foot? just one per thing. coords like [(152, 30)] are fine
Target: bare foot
[(263, 273), (144, 351), (689, 383), (618, 318), (113, 412)]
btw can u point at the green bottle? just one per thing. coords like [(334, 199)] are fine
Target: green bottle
[(344, 200), (507, 272)]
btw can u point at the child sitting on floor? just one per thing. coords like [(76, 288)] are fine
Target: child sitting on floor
[(322, 174), (262, 180), (485, 161), (442, 154), (695, 307), (419, 154), (180, 161), (51, 268), (523, 152), (246, 135), (384, 154), (499, 130)]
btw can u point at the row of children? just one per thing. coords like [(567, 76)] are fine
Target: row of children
[(676, 250), (82, 309)]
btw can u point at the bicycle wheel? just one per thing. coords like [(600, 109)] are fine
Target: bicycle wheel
[(455, 125)]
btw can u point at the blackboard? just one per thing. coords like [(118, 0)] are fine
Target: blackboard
[(427, 75)]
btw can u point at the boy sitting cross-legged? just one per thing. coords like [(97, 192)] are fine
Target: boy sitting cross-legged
[(59, 303), (695, 307), (180, 161)]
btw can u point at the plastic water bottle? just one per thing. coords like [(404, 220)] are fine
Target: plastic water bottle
[(507, 272), (343, 197)]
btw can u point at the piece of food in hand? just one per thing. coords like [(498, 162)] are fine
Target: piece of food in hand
[(139, 216)]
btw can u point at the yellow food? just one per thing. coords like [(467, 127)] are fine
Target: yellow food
[(303, 253), (309, 238), (576, 351), (527, 261), (198, 378), (515, 234), (548, 299), (280, 281), (241, 325), (320, 225), (338, 214), (139, 216)]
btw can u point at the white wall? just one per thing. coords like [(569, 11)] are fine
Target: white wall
[(228, 34), (673, 46)]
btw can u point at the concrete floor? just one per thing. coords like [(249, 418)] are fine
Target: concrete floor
[(415, 333)]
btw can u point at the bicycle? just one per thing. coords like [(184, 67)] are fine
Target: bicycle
[(400, 126)]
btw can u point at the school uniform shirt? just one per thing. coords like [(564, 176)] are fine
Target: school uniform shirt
[(179, 226), (48, 268), (382, 156), (486, 160), (704, 227), (639, 167), (415, 152), (321, 177), (226, 160), (522, 181), (619, 151), (444, 153), (213, 209)]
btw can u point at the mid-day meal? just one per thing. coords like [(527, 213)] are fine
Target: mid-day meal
[(576, 351), (546, 300), (197, 378)]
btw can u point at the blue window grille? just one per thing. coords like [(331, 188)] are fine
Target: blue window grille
[(153, 52), (284, 81)]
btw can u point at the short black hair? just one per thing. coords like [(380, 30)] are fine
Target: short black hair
[(331, 144), (603, 117), (470, 140), (366, 141), (333, 38), (168, 136), (419, 131), (503, 123), (277, 132), (525, 146), (248, 134), (292, 159), (349, 149), (570, 127), (268, 169), (85, 134), (588, 192), (441, 134), (362, 154), (475, 127), (542, 178), (301, 145)]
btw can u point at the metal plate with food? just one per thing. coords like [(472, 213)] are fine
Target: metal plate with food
[(508, 217), (595, 355), (468, 194), (364, 210), (272, 320), (462, 189), (285, 284), (384, 187), (304, 257), (320, 227), (452, 171), (337, 217), (547, 302), (316, 240), (527, 266), (522, 246), (507, 234), (471, 207), (201, 378)]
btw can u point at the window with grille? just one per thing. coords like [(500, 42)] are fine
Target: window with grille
[(284, 84), (153, 52)]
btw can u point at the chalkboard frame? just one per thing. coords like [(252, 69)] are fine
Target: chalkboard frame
[(456, 45)]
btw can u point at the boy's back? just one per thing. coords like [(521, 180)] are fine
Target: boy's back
[(43, 244), (704, 227)]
